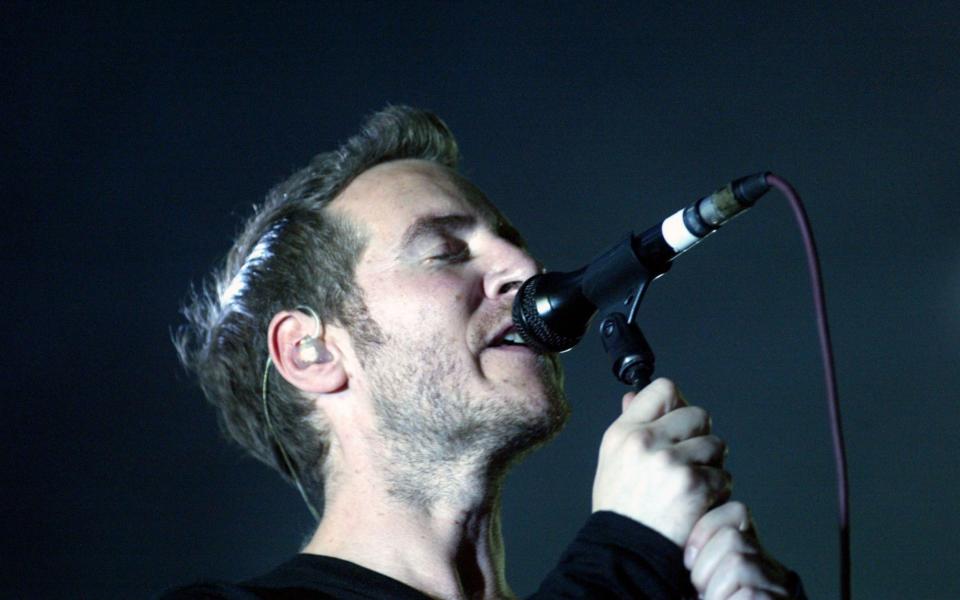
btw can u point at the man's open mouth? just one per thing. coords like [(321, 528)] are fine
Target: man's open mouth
[(508, 337)]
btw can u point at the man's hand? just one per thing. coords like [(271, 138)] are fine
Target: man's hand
[(659, 465), (726, 560)]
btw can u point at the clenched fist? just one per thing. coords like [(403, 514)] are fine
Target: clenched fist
[(727, 562), (659, 464)]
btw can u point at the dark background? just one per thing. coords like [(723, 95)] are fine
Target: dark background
[(136, 138)]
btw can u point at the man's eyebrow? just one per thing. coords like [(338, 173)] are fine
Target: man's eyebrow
[(510, 233), (435, 224)]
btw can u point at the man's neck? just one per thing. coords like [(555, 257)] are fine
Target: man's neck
[(449, 548)]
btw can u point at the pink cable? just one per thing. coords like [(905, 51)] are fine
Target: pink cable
[(829, 373)]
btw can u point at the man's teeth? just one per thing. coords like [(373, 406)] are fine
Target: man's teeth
[(513, 338)]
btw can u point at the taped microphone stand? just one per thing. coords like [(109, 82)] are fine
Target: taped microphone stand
[(552, 310)]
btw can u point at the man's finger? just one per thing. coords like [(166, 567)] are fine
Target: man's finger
[(652, 402), (720, 483), (732, 514), (735, 571), (725, 542), (751, 594), (683, 423), (703, 450)]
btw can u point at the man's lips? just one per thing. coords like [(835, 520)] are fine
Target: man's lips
[(511, 348), (507, 336)]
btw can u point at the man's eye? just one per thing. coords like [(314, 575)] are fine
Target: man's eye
[(451, 253)]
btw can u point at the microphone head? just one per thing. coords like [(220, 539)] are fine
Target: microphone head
[(550, 312)]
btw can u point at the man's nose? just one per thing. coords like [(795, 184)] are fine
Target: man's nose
[(510, 266)]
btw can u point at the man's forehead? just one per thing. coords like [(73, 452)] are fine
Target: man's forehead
[(387, 197)]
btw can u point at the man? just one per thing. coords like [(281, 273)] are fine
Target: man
[(359, 340)]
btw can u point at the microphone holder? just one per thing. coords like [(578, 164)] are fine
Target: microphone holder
[(624, 342)]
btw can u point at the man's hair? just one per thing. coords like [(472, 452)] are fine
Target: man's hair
[(292, 252)]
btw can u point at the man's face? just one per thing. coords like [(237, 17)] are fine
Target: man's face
[(438, 276)]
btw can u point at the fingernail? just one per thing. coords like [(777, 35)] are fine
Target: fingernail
[(689, 555)]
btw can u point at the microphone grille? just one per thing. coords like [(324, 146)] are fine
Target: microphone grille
[(531, 325)]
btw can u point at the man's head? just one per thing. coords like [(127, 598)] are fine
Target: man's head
[(411, 272), (439, 274)]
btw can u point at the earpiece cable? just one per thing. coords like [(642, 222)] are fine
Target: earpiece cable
[(276, 438)]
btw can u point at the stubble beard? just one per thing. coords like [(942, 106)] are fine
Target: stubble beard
[(438, 435)]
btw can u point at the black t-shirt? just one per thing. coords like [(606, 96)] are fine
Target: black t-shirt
[(611, 557)]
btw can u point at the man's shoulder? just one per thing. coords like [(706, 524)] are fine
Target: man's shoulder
[(233, 591), (305, 576), (209, 590)]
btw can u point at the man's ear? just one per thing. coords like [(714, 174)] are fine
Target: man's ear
[(302, 353)]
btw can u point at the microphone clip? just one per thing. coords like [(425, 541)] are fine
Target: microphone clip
[(624, 342), (633, 359)]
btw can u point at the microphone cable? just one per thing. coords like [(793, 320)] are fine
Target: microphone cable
[(829, 374)]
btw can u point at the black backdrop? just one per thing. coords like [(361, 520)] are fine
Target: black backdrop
[(135, 138)]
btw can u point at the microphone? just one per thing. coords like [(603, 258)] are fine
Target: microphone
[(552, 310)]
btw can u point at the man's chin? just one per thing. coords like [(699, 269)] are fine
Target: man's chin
[(523, 437), (547, 412), (550, 380)]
